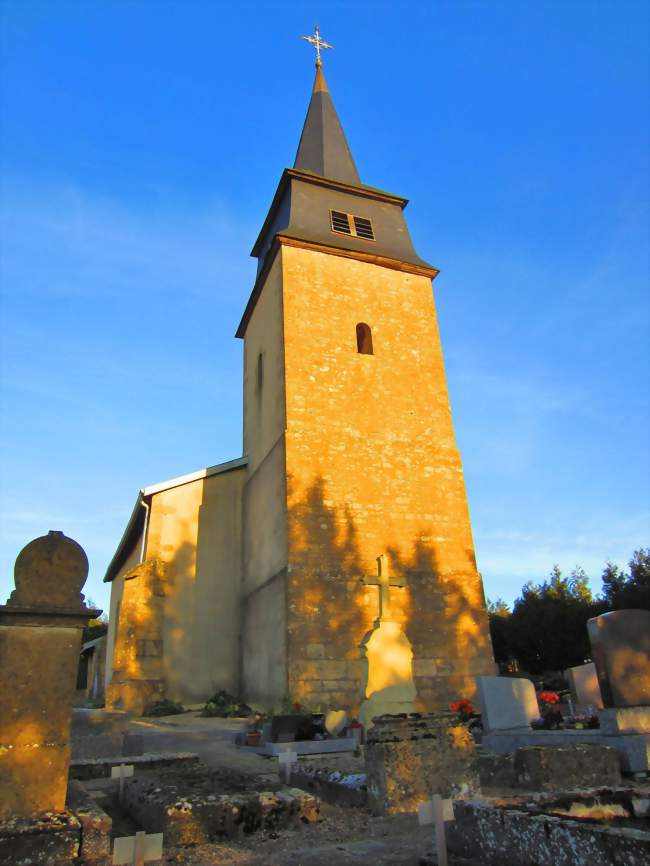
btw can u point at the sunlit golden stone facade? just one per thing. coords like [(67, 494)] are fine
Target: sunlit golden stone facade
[(369, 465), (348, 455), (174, 623)]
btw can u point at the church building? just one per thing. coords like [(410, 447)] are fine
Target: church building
[(333, 563)]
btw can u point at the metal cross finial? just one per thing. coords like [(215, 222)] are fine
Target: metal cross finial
[(318, 43)]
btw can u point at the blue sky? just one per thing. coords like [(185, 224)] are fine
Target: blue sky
[(141, 146)]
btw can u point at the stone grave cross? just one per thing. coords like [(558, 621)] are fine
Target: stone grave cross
[(121, 773), (137, 850), (384, 581), (287, 758), (387, 684), (436, 811)]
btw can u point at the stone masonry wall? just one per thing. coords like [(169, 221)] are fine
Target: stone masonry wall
[(409, 758), (372, 467)]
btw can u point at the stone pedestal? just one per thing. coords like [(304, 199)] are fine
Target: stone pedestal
[(40, 641), (625, 720), (410, 758), (50, 839), (550, 768), (388, 686), (633, 749)]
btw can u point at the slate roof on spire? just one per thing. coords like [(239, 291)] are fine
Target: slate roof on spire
[(324, 179), (323, 148)]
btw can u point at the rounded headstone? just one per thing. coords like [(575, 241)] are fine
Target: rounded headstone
[(50, 572), (335, 721)]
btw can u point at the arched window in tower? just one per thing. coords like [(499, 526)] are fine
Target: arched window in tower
[(364, 339)]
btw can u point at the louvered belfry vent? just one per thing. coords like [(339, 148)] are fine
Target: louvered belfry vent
[(340, 222), (363, 228), (349, 224)]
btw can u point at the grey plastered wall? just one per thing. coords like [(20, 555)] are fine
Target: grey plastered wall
[(201, 630), (264, 643)]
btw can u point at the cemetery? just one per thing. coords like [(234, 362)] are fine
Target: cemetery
[(79, 786), (298, 664)]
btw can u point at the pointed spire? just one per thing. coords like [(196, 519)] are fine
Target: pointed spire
[(323, 148)]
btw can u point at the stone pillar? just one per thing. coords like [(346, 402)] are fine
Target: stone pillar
[(138, 675), (387, 684), (40, 642)]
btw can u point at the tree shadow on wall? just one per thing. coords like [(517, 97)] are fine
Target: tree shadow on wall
[(330, 607)]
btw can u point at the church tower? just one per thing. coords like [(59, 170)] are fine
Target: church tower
[(350, 445)]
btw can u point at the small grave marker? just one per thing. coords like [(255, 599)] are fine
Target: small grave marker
[(121, 773), (506, 702), (137, 850), (436, 811), (288, 758)]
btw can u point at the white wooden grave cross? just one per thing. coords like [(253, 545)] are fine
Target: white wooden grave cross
[(436, 811), (384, 581), (137, 850), (287, 757), (121, 773)]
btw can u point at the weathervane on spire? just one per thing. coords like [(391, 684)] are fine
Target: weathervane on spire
[(318, 43)]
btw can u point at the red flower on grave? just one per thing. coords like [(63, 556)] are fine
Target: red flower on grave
[(464, 707), (549, 697)]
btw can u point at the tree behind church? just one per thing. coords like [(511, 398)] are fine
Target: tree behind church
[(621, 591), (547, 627)]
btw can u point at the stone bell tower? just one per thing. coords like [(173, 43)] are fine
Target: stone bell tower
[(350, 445)]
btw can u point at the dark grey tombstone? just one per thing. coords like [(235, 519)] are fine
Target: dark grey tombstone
[(620, 645)]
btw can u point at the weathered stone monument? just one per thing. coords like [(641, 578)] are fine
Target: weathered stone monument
[(387, 685), (40, 639), (138, 677), (620, 645), (409, 758)]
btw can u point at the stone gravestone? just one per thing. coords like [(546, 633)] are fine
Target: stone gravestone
[(410, 758), (620, 645), (40, 641), (583, 682), (388, 686), (506, 702)]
